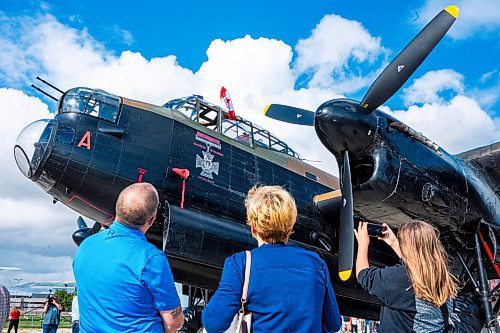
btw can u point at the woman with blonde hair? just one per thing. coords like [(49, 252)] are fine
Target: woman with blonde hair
[(289, 288), (415, 293)]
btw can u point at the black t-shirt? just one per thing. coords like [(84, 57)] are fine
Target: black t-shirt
[(392, 286)]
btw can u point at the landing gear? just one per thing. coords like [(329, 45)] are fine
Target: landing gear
[(475, 306), (484, 288), (197, 300)]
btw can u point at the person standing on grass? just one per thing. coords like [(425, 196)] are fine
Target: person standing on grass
[(14, 319), (51, 315), (75, 314)]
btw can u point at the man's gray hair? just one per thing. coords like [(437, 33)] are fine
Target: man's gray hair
[(137, 204)]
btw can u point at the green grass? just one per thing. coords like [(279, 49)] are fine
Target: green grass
[(36, 322)]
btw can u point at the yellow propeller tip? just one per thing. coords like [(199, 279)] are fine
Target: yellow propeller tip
[(453, 11), (265, 110), (345, 275)]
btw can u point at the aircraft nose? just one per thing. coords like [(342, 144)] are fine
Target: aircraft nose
[(31, 146), (344, 125)]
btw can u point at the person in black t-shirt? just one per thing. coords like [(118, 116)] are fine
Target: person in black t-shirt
[(391, 285), (413, 292)]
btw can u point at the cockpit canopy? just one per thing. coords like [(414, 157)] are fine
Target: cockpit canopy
[(214, 117), (94, 102), (103, 105)]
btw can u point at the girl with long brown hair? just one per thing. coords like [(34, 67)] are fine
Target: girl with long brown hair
[(426, 264), (413, 292)]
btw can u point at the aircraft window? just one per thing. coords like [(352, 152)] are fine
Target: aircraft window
[(240, 131), (185, 105), (311, 176), (214, 117), (261, 138), (278, 145), (208, 117), (65, 134), (97, 103), (195, 108)]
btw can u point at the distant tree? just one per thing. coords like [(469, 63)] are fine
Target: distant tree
[(64, 298)]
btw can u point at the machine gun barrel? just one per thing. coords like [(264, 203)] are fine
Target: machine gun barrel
[(50, 85), (43, 92)]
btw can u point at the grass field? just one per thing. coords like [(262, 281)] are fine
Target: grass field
[(34, 324)]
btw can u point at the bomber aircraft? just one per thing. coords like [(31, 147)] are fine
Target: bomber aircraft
[(203, 163)]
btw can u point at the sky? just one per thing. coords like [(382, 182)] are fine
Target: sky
[(300, 53)]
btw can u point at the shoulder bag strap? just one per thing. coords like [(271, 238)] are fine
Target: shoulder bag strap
[(446, 317), (247, 280)]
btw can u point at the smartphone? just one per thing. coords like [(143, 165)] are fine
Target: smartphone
[(375, 230)]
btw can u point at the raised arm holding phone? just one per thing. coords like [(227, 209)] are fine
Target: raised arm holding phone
[(51, 315)]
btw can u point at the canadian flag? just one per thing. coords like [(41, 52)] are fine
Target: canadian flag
[(224, 95)]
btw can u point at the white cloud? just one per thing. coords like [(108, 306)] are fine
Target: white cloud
[(35, 234), (17, 110), (476, 16), (333, 44), (120, 35), (456, 124), (426, 89), (494, 74)]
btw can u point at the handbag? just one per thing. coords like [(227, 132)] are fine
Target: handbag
[(242, 321)]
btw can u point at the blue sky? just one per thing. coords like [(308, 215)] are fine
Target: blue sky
[(186, 28), (300, 53)]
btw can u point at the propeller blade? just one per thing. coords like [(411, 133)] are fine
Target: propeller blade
[(96, 228), (289, 114), (346, 230), (81, 223), (408, 60), (84, 231)]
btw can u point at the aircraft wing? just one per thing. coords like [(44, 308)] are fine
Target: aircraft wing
[(486, 158)]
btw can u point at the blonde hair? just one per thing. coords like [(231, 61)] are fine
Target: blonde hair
[(272, 212), (425, 259)]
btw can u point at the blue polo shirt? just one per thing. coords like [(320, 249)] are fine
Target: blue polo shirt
[(123, 282)]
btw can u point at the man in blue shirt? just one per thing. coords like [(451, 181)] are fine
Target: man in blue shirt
[(125, 283)]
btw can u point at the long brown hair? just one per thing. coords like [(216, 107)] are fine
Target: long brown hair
[(426, 263)]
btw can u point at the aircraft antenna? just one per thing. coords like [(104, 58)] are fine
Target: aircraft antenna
[(307, 160)]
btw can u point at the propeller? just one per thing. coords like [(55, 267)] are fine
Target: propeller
[(408, 60), (84, 231), (346, 228), (392, 77), (387, 84), (81, 223)]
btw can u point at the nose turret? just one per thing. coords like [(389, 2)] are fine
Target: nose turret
[(343, 125), (31, 147)]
